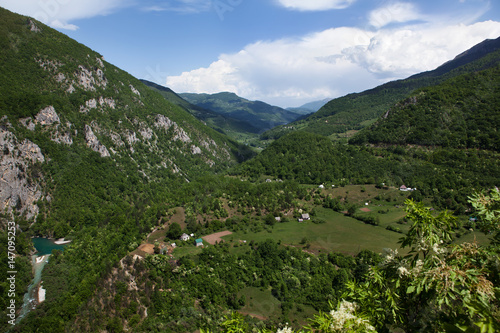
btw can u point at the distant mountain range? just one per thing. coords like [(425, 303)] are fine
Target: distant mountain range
[(224, 123), (310, 107), (256, 113)]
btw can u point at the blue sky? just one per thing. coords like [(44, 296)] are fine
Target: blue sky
[(284, 52)]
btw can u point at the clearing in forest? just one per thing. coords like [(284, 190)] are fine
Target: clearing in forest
[(212, 238)]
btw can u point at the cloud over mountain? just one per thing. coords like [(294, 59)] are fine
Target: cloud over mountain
[(332, 62)]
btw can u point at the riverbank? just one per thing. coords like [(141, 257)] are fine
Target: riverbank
[(40, 294), (62, 241)]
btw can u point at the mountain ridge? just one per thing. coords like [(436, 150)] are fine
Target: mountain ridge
[(260, 114), (220, 122), (355, 111)]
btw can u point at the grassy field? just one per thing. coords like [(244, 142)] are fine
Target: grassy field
[(263, 305), (260, 303), (339, 233)]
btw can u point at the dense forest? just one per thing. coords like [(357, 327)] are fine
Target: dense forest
[(445, 175)]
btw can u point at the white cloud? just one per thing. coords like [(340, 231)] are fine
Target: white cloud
[(397, 12), (315, 5), (332, 63), (58, 13), (400, 53)]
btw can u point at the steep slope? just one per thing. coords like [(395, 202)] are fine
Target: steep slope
[(358, 110), (89, 153), (58, 93), (463, 112), (261, 115), (217, 121)]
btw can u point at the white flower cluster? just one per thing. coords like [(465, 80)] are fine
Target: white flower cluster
[(389, 256), (422, 245), (285, 329), (344, 315), (403, 271), (418, 267), (437, 249)]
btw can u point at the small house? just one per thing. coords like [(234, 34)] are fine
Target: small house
[(199, 242), (185, 237), (322, 186), (305, 217), (406, 189), (278, 219)]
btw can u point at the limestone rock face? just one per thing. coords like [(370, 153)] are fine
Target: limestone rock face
[(134, 90), (166, 123), (33, 26), (47, 116), (28, 123), (195, 150), (18, 190), (94, 143), (89, 80)]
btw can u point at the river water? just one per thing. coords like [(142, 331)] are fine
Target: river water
[(44, 248)]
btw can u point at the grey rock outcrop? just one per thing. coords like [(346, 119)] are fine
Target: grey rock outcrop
[(19, 191), (166, 123), (47, 116), (94, 143)]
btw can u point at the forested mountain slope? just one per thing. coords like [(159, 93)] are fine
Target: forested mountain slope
[(463, 112), (444, 175), (356, 111), (89, 153), (218, 121), (259, 114)]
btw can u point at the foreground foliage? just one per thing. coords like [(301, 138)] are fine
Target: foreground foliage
[(436, 287)]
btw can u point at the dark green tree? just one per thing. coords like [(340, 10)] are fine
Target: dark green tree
[(174, 231)]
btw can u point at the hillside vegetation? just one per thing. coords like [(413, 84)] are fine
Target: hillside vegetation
[(462, 112), (445, 175), (358, 110), (259, 114), (233, 127), (89, 153)]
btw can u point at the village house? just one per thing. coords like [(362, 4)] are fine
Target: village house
[(406, 189), (305, 217), (199, 242), (185, 237)]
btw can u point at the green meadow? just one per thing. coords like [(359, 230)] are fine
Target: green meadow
[(338, 233)]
